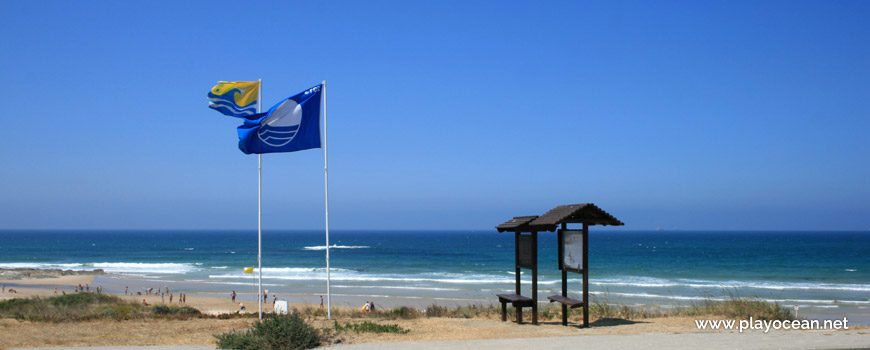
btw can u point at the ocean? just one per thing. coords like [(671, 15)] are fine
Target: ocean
[(826, 274)]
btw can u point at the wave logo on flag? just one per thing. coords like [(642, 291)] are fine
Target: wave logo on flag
[(291, 125), (282, 125), (235, 98)]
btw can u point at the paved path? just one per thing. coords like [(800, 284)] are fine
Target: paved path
[(756, 340), (777, 340), (159, 347)]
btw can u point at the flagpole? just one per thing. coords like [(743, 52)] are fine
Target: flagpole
[(260, 212), (326, 194)]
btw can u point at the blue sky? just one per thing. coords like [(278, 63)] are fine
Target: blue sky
[(442, 115)]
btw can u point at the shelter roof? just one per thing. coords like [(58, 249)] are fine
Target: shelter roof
[(519, 224), (586, 213)]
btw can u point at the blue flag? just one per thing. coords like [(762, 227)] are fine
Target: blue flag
[(291, 125)]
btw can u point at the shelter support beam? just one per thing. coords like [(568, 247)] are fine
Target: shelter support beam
[(585, 276), (564, 278), (535, 277)]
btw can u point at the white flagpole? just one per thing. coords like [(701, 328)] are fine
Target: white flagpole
[(326, 194), (260, 212)]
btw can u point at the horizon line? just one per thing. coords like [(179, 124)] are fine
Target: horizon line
[(618, 228)]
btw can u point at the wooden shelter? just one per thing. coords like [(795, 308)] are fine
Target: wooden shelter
[(526, 257), (526, 254)]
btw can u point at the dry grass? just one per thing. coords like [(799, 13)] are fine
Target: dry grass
[(105, 332), (600, 308), (432, 323)]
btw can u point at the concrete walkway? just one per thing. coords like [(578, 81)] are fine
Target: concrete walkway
[(158, 347), (777, 340), (859, 339)]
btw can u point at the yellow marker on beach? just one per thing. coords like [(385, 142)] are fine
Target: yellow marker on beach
[(248, 270)]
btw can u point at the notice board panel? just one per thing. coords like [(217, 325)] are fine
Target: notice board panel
[(572, 250), (526, 258)]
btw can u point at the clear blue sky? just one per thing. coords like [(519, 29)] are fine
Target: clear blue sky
[(442, 114)]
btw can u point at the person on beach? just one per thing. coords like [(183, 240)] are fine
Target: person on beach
[(126, 290), (55, 291), (233, 296), (184, 298), (162, 299), (170, 298), (274, 299), (321, 301), (371, 306), (88, 287), (241, 307), (145, 302)]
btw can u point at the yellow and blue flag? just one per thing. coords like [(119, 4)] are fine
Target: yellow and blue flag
[(235, 98)]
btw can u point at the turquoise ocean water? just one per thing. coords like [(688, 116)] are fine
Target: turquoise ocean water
[(824, 273)]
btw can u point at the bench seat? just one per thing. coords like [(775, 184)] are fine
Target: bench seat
[(572, 303), (519, 302), (515, 300)]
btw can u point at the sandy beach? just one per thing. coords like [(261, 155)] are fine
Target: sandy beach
[(15, 333)]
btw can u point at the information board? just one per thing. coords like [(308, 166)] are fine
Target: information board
[(572, 250), (526, 258)]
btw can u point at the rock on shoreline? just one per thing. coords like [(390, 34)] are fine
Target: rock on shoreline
[(22, 273)]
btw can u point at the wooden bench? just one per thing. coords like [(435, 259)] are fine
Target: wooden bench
[(572, 303), (518, 302), (566, 303)]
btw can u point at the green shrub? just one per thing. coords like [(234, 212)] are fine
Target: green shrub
[(369, 327), (277, 333), (403, 312), (186, 311), (70, 307), (77, 299), (120, 312), (160, 310), (175, 312)]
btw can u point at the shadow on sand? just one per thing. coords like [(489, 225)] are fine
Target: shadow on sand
[(603, 322), (609, 322)]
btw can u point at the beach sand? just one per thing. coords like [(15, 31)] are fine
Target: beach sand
[(15, 333), (70, 280)]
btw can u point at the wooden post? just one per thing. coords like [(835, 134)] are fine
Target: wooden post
[(519, 286), (564, 278), (585, 275), (535, 278), (517, 260), (503, 311)]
